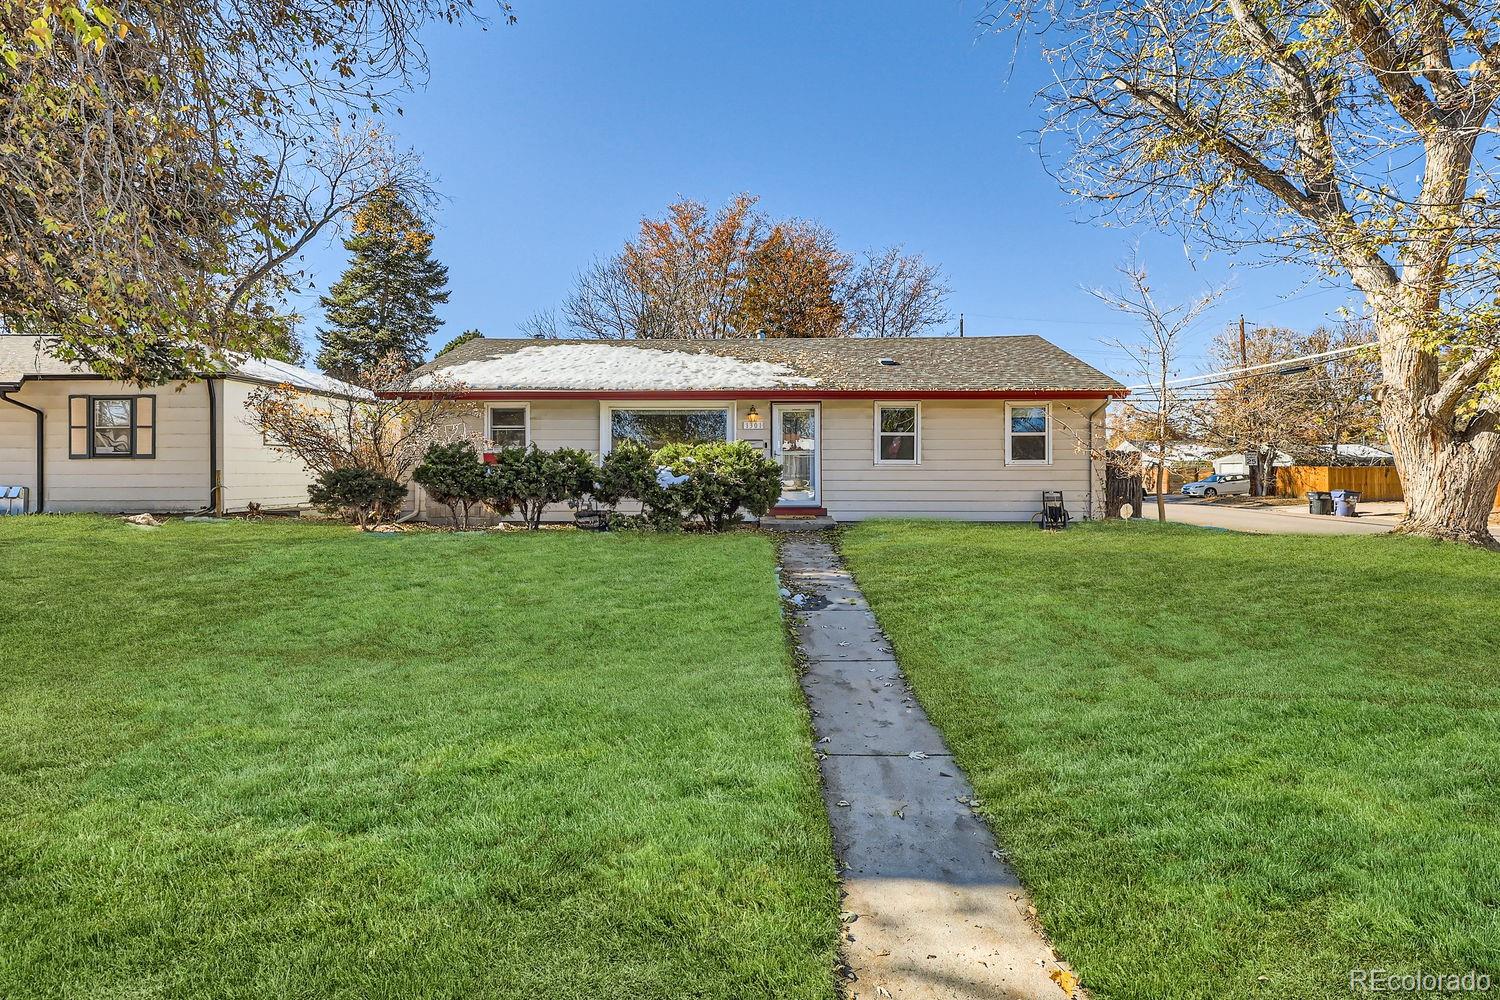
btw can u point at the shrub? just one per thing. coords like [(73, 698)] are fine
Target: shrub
[(526, 480), (357, 494), (722, 479), (629, 473), (453, 475)]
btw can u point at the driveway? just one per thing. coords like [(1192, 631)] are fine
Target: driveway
[(1275, 519)]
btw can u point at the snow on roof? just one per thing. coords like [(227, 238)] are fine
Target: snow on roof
[(281, 373), (615, 367), (1361, 452), (23, 357), (1177, 451)]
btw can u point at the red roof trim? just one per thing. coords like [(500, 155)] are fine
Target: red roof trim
[(778, 395)]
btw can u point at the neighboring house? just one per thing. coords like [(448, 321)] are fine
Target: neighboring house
[(1355, 454), (1234, 464), (80, 442), (1186, 463), (968, 428)]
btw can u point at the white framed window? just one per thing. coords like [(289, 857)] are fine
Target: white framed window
[(508, 425), (655, 424), (898, 433), (1028, 433)]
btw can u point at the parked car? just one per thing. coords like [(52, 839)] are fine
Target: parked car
[(1217, 484)]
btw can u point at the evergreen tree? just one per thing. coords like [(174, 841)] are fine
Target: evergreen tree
[(461, 339), (384, 302)]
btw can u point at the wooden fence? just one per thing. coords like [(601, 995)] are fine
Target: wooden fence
[(1374, 482)]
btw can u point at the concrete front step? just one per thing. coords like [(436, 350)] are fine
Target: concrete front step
[(776, 522)]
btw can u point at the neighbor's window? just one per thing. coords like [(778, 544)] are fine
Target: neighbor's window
[(508, 427), (1026, 434), (896, 433), (655, 428), (112, 426)]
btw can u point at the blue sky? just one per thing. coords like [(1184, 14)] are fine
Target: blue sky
[(887, 122)]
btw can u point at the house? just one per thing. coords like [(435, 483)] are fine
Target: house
[(79, 442), (1234, 464), (971, 428), (1355, 454)]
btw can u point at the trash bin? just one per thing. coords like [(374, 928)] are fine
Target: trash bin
[(1319, 502), (1345, 502)]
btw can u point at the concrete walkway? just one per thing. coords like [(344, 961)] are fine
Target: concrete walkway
[(1275, 519), (930, 909)]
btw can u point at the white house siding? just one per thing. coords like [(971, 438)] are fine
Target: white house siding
[(962, 474), (175, 480), (554, 423), (18, 448), (253, 471)]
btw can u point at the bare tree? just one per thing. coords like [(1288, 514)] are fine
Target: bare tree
[(1343, 391), (606, 305), (540, 325), (313, 189), (1355, 136), (361, 430), (1154, 354), (896, 294), (1262, 414), (163, 162)]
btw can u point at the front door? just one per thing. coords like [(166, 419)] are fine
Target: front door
[(794, 436)]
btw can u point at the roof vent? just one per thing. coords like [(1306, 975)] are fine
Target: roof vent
[(888, 362)]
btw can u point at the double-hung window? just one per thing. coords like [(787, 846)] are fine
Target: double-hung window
[(898, 430), (1027, 434), (111, 426), (508, 427)]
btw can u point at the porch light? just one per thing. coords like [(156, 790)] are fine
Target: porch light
[(751, 414)]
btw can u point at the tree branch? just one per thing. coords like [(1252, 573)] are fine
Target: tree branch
[(1441, 404), (1388, 64)]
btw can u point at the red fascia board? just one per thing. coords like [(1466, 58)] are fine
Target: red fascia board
[(776, 395)]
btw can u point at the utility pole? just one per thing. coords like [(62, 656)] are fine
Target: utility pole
[(1257, 487)]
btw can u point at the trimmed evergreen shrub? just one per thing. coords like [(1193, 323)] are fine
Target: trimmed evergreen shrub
[(526, 480), (453, 475), (722, 479), (357, 494)]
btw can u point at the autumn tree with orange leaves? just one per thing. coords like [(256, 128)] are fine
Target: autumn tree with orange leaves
[(707, 275)]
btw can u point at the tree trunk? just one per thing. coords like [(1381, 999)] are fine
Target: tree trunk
[(1449, 485), (1448, 479)]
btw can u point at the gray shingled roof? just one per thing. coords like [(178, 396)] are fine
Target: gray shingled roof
[(926, 364)]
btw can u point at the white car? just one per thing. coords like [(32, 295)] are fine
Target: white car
[(1218, 484)]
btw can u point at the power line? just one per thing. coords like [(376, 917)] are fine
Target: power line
[(1286, 366)]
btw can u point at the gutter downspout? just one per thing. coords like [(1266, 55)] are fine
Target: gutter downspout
[(213, 448), (41, 446), (1088, 506)]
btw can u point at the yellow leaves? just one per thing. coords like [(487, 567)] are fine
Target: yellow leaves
[(1066, 980), (40, 34)]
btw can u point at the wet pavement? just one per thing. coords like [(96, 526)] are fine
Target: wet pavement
[(931, 910)]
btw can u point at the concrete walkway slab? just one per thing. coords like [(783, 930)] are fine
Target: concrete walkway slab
[(932, 910)]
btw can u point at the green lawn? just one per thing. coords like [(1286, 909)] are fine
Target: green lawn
[(294, 761), (1212, 757)]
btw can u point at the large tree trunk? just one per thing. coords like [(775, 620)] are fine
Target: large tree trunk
[(1448, 478)]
